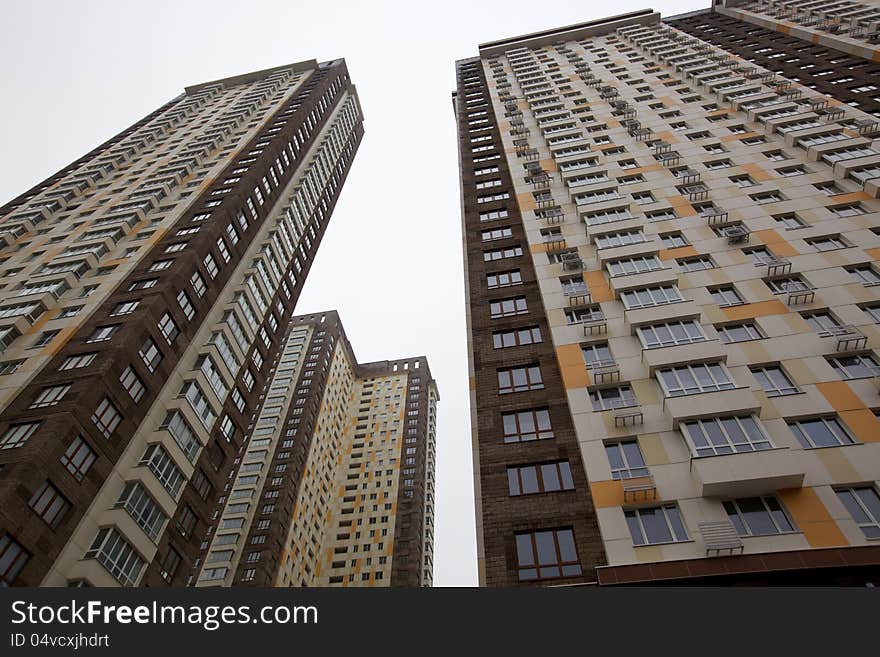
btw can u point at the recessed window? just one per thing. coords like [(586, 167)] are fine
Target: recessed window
[(725, 435), (547, 554), (528, 425), (820, 432), (863, 504), (49, 504), (106, 417), (858, 366), (78, 458), (694, 379), (726, 296), (520, 379), (539, 478), (774, 381), (696, 264), (758, 516), (626, 460), (656, 525), (508, 307), (605, 399), (50, 396)]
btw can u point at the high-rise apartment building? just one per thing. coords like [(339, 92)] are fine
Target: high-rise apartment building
[(671, 260), (146, 288), (336, 484), (832, 47)]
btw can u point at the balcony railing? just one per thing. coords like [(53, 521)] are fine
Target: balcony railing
[(720, 537)]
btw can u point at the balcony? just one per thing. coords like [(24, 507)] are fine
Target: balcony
[(629, 417), (736, 234), (775, 265), (720, 537), (577, 295), (703, 351), (604, 371), (849, 338), (801, 297), (639, 489), (571, 262), (747, 473)]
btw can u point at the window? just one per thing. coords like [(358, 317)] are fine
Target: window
[(185, 304), (524, 426), (670, 333), (823, 323), (504, 279), (496, 234), (730, 333), (789, 220), (725, 296), (597, 355), (865, 274), (515, 338), (828, 243), (117, 555), (17, 435), (519, 379), (626, 460), (50, 396), (49, 504), (650, 296), (142, 508), (771, 196), (168, 328), (124, 308), (787, 284), (863, 505), (605, 399), (150, 354), (726, 435), (162, 466), (169, 564), (619, 239), (744, 180), (102, 333), (508, 307), (132, 384), (656, 525), (500, 254), (696, 264), (859, 366), (694, 379), (848, 210), (873, 311), (539, 478), (774, 381), (143, 285), (673, 240), (13, 558), (186, 522), (820, 432), (78, 458), (758, 516), (106, 417), (199, 403), (635, 265), (547, 554)]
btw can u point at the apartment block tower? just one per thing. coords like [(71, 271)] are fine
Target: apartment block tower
[(832, 47), (336, 484), (146, 289), (672, 303)]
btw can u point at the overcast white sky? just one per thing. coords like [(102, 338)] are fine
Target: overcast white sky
[(76, 73)]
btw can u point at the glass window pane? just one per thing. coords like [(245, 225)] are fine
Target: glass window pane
[(550, 477), (546, 547), (524, 552), (567, 549), (654, 522), (529, 476)]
